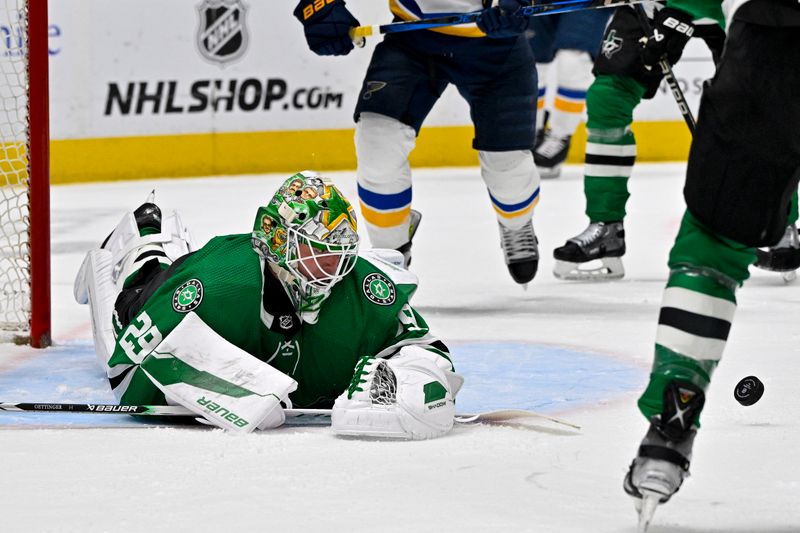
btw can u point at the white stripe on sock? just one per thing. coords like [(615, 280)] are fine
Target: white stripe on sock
[(620, 150), (607, 171), (688, 345), (697, 302)]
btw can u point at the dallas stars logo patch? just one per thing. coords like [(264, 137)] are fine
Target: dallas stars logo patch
[(611, 45), (188, 296), (379, 290)]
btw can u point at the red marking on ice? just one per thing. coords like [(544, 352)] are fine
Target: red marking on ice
[(81, 331), (17, 356)]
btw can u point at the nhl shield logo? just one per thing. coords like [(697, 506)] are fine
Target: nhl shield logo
[(222, 35), (286, 322)]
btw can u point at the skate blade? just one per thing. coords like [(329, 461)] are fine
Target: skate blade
[(605, 269), (647, 508), (788, 275), (415, 217)]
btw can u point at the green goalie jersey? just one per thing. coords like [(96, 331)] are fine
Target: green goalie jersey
[(234, 292)]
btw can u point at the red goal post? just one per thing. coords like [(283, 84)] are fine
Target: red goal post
[(24, 173)]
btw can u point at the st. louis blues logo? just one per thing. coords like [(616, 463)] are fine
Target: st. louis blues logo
[(222, 35)]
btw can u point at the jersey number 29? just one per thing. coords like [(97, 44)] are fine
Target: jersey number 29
[(140, 338)]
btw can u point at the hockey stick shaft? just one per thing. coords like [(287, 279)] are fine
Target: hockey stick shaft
[(564, 6), (177, 410), (99, 408), (669, 76), (148, 410), (677, 93)]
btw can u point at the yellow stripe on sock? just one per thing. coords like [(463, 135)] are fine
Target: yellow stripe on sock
[(384, 219), (514, 214), (568, 106)]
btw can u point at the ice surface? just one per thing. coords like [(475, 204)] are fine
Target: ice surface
[(578, 351)]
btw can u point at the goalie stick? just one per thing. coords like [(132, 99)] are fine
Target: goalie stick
[(498, 416), (564, 6)]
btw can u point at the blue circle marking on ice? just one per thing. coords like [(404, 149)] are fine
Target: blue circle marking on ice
[(64, 374), (498, 375), (540, 377)]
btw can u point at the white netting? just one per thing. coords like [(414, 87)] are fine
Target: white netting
[(14, 206), (383, 389)]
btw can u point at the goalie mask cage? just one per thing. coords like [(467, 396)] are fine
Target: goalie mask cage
[(24, 173)]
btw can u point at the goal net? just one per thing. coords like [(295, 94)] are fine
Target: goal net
[(24, 173)]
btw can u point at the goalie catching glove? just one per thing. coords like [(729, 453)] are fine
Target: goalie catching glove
[(409, 396)]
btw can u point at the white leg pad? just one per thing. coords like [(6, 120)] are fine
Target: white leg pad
[(126, 245), (410, 396), (104, 270), (93, 285), (197, 368)]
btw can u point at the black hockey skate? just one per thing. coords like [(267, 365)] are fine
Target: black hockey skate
[(413, 226), (603, 241), (784, 257), (540, 132), (662, 462), (550, 154), (147, 216), (148, 222), (521, 250)]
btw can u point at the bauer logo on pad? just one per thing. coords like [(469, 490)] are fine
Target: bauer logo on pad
[(222, 35)]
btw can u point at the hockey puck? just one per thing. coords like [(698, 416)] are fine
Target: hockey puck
[(748, 391)]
